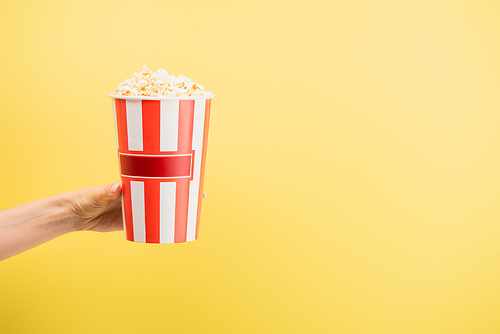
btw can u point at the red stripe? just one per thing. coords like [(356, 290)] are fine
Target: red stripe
[(181, 210), (147, 166), (184, 145), (151, 145), (151, 126), (127, 205), (186, 114), (121, 124), (152, 208), (203, 160)]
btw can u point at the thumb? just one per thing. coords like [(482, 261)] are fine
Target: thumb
[(111, 191)]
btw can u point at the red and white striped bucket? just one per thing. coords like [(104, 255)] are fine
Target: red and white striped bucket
[(162, 149)]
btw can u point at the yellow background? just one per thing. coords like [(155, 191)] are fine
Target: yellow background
[(352, 175)]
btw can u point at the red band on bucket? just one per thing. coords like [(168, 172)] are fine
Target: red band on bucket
[(156, 166)]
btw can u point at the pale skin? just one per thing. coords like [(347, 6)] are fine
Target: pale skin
[(31, 224)]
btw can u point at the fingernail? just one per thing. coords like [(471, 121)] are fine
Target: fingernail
[(114, 188)]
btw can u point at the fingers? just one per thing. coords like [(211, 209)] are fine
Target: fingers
[(204, 195)]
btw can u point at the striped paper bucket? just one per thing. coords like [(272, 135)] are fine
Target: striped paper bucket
[(162, 148)]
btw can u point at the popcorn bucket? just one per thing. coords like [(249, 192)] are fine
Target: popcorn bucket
[(162, 148)]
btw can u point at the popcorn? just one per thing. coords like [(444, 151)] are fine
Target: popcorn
[(159, 83)]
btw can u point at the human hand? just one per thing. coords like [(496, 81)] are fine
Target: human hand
[(99, 208), (31, 224)]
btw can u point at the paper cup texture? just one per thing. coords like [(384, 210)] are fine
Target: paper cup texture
[(162, 149)]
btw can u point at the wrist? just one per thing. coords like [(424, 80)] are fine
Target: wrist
[(65, 218)]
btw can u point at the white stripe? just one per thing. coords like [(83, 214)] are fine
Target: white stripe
[(123, 219), (134, 125), (167, 212), (169, 129), (194, 186), (138, 212), (116, 126)]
